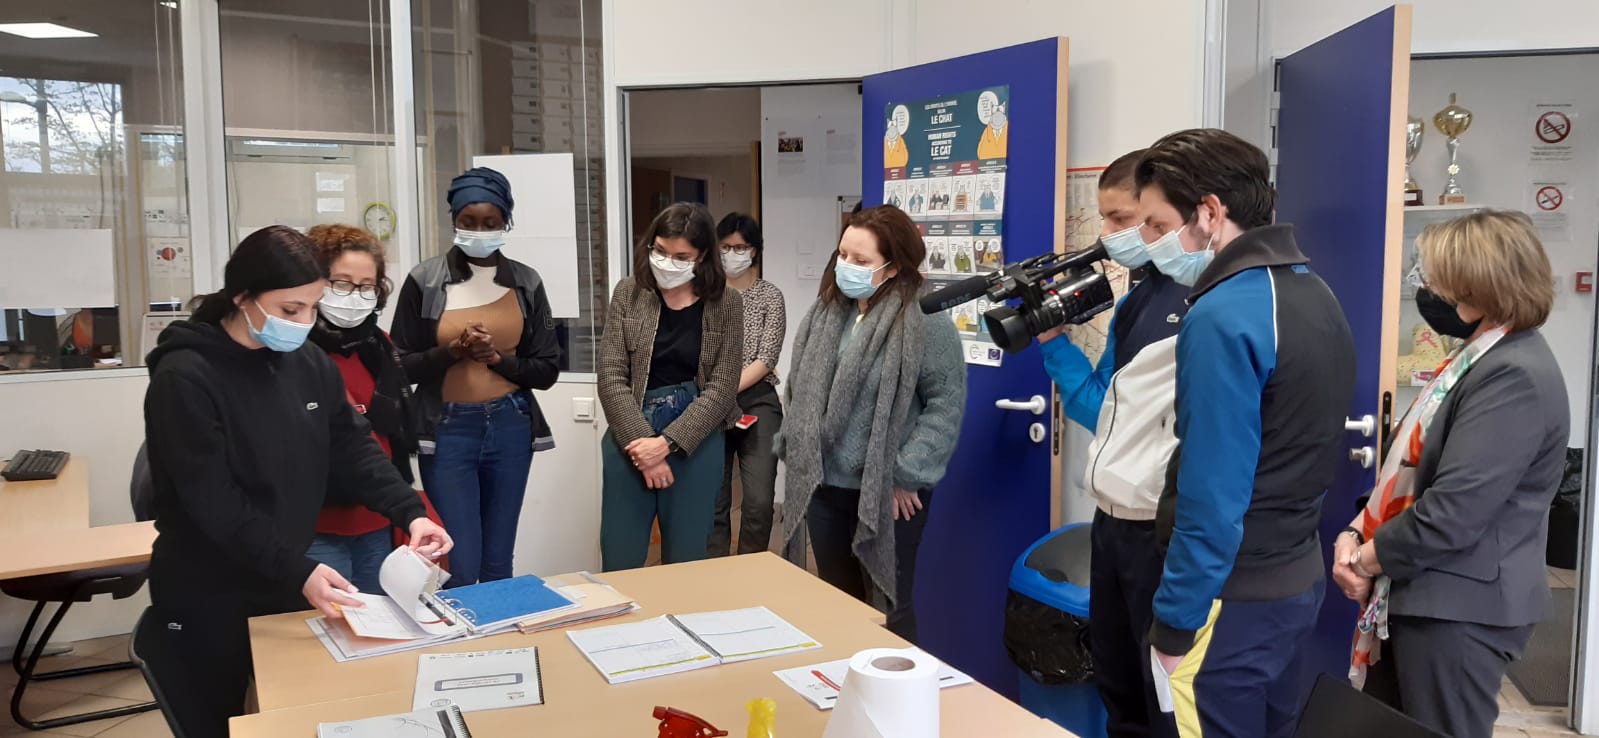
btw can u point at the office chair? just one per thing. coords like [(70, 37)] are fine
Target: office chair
[(64, 589), (1338, 710)]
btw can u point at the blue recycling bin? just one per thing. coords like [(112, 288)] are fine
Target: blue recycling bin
[(1046, 631)]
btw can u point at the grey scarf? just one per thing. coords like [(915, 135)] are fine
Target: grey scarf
[(824, 389)]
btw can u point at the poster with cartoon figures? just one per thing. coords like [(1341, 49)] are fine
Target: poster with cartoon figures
[(944, 161)]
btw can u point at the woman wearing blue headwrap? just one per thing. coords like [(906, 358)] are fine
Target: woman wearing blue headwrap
[(475, 333)]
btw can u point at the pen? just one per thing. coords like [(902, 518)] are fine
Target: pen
[(819, 675)]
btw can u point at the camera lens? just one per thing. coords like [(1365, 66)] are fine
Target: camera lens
[(1008, 326)]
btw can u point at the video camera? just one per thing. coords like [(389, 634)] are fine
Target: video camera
[(1045, 304)]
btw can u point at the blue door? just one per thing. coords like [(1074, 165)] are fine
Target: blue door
[(1340, 172), (997, 497)]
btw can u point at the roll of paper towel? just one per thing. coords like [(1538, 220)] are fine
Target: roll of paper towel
[(889, 693)]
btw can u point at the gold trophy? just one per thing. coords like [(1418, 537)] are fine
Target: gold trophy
[(1452, 121), (1414, 129)]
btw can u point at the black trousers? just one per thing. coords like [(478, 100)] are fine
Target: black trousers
[(1124, 574), (1446, 674), (757, 469), (831, 521)]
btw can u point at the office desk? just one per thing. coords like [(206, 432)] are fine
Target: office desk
[(299, 685), (55, 504), (33, 553)]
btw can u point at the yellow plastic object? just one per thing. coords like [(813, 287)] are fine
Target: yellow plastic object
[(763, 718)]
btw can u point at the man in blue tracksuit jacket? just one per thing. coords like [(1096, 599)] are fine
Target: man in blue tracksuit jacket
[(1265, 374), (1127, 401)]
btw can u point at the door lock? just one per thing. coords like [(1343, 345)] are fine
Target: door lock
[(1366, 426), (1036, 405), (1365, 456)]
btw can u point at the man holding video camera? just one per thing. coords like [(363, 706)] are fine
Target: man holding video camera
[(1265, 373), (1127, 401)]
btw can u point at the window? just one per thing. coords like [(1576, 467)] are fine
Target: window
[(519, 77), (93, 186)]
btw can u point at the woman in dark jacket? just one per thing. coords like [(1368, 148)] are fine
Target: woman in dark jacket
[(669, 366), (476, 336), (248, 430), (350, 538), (1448, 556)]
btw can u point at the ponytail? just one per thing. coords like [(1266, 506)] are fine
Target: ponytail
[(213, 308), (273, 258)]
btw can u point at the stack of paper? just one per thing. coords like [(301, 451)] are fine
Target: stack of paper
[(402, 620), (492, 607), (421, 724), (595, 600), (479, 680), (672, 644)]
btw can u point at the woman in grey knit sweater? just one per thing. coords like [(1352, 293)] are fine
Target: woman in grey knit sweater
[(874, 410)]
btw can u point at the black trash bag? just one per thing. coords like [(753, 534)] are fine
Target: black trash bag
[(1049, 644), (1565, 515)]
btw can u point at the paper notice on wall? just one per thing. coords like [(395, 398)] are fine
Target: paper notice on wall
[(57, 268), (1552, 131), (329, 205), (842, 146), (1549, 205), (326, 182), (545, 236)]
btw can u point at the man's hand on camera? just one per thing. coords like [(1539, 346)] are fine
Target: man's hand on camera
[(1051, 334)]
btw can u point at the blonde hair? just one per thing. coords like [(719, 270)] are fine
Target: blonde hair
[(1491, 260)]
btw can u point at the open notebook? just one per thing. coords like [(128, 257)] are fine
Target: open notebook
[(671, 644), (445, 722)]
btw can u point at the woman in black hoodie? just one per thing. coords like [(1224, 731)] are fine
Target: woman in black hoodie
[(244, 427)]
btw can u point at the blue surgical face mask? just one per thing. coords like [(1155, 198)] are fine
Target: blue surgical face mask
[(1184, 267), (479, 244), (1126, 248), (855, 281), (278, 334)]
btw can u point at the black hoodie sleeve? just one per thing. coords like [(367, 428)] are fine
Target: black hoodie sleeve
[(187, 437), (425, 361), (358, 465), (537, 362)]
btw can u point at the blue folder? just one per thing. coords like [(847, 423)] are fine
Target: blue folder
[(490, 606)]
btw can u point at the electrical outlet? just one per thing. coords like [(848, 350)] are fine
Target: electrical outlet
[(583, 409)]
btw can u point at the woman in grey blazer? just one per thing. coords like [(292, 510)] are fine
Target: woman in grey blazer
[(668, 377), (1450, 549)]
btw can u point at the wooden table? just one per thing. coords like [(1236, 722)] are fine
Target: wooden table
[(54, 504), (299, 685)]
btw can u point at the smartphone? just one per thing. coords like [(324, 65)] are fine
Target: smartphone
[(745, 422)]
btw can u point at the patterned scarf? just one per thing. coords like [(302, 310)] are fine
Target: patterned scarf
[(1396, 492)]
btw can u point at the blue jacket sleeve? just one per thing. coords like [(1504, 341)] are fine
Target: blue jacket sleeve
[(1226, 352), (1082, 385)]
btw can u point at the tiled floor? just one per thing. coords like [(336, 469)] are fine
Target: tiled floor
[(1518, 718)]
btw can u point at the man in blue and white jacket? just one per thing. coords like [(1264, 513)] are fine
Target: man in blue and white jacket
[(1265, 374), (1127, 402)]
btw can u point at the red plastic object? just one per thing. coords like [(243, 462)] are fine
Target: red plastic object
[(678, 724), (1585, 282)]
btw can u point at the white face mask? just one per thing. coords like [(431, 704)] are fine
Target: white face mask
[(669, 272), (345, 311), (737, 264)]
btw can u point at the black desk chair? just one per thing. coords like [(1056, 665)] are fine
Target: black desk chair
[(1338, 710), (64, 589)]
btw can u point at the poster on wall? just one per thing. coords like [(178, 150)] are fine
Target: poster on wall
[(1548, 206), (1083, 224), (944, 165), (1552, 128)]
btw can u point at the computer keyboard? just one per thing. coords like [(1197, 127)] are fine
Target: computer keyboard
[(33, 466)]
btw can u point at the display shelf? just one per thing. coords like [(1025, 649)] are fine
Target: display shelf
[(1441, 208)]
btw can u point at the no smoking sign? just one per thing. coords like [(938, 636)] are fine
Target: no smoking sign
[(1552, 127), (1549, 198)]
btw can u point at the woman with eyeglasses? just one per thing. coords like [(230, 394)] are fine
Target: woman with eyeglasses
[(750, 441), (669, 374), (351, 539), (476, 335)]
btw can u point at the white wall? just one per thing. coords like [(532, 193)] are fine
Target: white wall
[(1446, 25), (694, 122), (1496, 172)]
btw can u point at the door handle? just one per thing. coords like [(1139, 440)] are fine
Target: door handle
[(1036, 405), (1365, 456), (1365, 426)]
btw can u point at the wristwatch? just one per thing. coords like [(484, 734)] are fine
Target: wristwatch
[(671, 446), (1359, 539)]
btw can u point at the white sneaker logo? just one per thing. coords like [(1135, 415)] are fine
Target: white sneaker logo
[(1174, 318), (309, 406)]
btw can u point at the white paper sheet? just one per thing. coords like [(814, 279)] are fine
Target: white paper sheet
[(743, 635), (820, 684), (633, 651), (544, 231), (479, 680), (57, 267)]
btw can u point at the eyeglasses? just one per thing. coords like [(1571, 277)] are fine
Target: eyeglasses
[(742, 249), (344, 287), (1418, 276)]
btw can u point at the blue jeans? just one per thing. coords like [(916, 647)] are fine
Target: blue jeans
[(476, 479), (356, 558)]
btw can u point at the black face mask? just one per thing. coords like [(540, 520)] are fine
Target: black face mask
[(1442, 316)]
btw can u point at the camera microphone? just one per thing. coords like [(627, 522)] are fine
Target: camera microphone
[(958, 293)]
